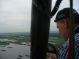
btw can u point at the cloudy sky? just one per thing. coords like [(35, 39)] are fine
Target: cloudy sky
[(15, 15)]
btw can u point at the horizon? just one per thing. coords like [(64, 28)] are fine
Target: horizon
[(24, 32)]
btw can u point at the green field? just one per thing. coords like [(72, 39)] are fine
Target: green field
[(58, 42), (16, 40)]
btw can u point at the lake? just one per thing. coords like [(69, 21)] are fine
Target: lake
[(15, 51)]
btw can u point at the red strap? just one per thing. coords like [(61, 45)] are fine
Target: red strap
[(70, 46)]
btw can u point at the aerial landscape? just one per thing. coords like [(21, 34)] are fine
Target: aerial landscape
[(17, 45)]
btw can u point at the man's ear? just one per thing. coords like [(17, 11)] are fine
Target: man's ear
[(67, 23)]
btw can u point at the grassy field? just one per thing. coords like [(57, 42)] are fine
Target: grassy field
[(19, 39), (58, 41), (4, 43)]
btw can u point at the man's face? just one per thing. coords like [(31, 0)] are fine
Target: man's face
[(51, 56), (62, 26)]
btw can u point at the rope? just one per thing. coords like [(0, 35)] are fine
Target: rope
[(56, 7)]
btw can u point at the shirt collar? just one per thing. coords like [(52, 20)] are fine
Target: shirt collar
[(65, 44)]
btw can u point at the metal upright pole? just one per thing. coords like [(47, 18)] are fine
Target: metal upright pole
[(40, 23), (71, 52), (73, 40)]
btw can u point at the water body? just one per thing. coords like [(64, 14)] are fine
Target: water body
[(14, 51)]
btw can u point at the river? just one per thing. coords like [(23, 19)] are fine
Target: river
[(15, 51)]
